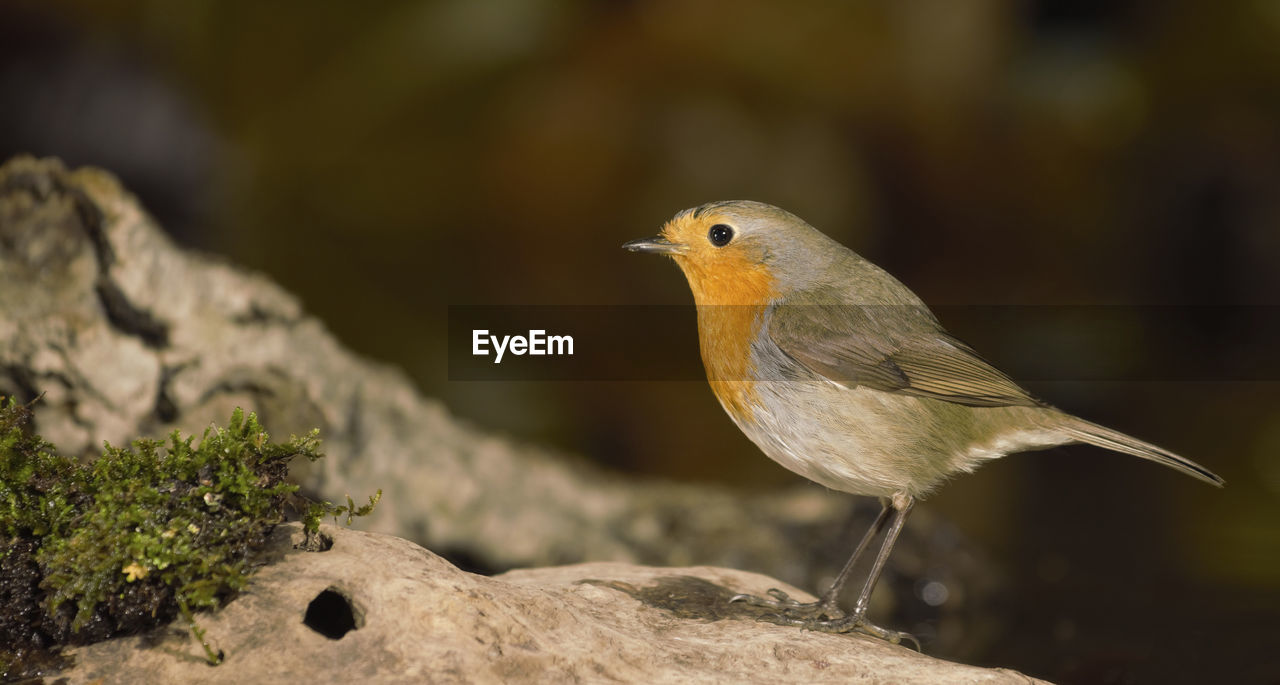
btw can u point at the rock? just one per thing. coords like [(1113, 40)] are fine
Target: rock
[(410, 616), (124, 334)]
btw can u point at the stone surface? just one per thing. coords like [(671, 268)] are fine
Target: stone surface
[(420, 619)]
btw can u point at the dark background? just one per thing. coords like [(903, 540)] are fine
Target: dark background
[(386, 160)]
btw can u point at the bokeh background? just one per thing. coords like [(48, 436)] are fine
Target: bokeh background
[(386, 160)]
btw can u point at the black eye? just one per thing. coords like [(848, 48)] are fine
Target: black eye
[(720, 235)]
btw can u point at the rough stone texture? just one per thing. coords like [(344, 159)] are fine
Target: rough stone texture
[(125, 334), (420, 619)]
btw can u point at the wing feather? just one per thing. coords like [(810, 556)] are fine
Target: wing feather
[(893, 348)]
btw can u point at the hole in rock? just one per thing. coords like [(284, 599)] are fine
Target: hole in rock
[(331, 614)]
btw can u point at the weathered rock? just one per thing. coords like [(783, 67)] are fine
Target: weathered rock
[(417, 618), (124, 334)]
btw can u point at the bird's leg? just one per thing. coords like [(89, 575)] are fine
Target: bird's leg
[(857, 620), (827, 605), (823, 614)]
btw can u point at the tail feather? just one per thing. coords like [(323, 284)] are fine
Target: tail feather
[(1101, 436)]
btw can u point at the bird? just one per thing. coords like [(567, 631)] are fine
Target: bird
[(840, 373)]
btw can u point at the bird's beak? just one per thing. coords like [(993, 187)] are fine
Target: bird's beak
[(654, 245)]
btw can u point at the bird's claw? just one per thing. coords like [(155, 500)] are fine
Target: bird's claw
[(841, 625), (819, 616), (779, 599), (783, 598), (790, 608), (890, 636)]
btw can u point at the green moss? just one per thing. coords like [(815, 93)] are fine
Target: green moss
[(140, 534)]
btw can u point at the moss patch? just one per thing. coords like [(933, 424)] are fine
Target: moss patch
[(129, 541)]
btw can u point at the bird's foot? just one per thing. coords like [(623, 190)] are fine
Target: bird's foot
[(852, 623), (791, 608), (821, 616)]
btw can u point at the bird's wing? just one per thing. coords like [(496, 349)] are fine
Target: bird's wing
[(894, 348)]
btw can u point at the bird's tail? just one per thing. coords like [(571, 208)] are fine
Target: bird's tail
[(1101, 436)]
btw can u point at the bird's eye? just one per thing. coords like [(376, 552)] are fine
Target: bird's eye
[(720, 235)]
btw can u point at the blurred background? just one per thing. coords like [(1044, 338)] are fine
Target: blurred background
[(386, 160)]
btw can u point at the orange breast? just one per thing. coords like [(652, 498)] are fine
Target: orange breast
[(725, 333), (731, 294)]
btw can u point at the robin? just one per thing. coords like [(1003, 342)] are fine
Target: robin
[(841, 374)]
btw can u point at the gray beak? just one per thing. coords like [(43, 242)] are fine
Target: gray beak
[(654, 245)]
